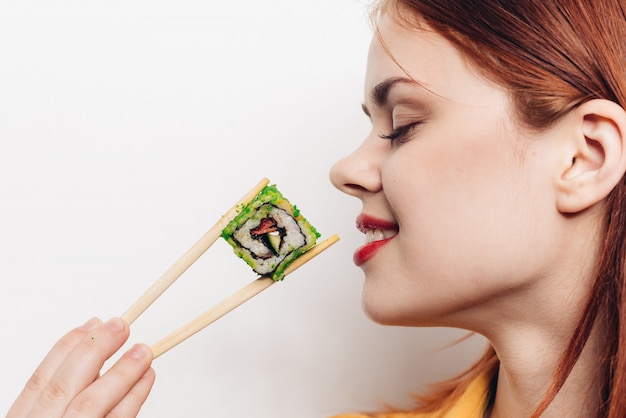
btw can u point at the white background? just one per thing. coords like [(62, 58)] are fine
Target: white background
[(126, 129)]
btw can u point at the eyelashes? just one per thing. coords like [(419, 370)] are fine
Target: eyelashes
[(400, 134)]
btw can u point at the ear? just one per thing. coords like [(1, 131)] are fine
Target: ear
[(594, 159)]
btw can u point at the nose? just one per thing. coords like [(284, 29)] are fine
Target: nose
[(359, 173)]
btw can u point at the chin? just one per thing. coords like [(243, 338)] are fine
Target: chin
[(384, 311), (378, 302), (386, 307)]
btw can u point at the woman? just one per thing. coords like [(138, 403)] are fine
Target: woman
[(492, 186)]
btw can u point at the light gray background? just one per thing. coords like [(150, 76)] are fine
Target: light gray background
[(126, 129)]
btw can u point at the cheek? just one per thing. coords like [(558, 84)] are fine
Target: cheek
[(470, 210), (455, 183)]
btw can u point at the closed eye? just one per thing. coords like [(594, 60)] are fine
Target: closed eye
[(400, 134)]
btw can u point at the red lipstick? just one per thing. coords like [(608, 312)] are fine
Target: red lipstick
[(380, 231)]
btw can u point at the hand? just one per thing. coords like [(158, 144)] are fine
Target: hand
[(67, 383)]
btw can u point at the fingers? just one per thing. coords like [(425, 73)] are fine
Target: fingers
[(121, 391), (132, 402), (48, 367), (79, 369), (68, 383)]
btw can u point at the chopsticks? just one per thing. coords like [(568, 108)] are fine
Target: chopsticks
[(189, 257), (229, 303), (233, 301)]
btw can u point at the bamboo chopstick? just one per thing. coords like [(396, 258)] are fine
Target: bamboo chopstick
[(189, 257), (233, 301)]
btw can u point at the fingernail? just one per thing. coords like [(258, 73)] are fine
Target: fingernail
[(93, 323), (115, 325), (137, 351)]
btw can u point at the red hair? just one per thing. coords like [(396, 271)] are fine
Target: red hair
[(552, 56)]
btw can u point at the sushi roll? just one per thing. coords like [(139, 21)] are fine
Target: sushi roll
[(270, 233)]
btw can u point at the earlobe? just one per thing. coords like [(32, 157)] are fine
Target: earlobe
[(596, 159)]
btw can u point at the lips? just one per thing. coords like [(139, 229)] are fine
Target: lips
[(377, 233)]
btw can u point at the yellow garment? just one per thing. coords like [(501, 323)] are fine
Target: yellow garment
[(472, 404)]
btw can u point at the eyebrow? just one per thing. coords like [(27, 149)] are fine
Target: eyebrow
[(380, 93)]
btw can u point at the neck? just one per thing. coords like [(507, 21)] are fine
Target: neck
[(535, 327), (527, 368), (529, 357)]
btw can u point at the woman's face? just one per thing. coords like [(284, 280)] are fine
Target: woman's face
[(458, 207)]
